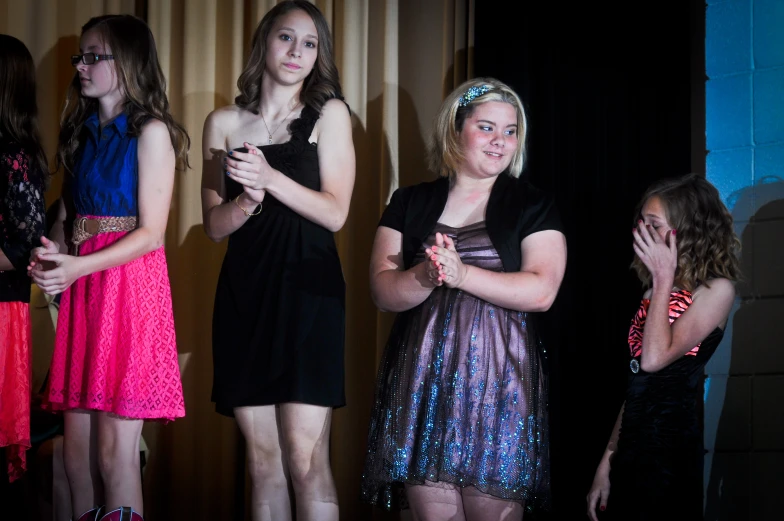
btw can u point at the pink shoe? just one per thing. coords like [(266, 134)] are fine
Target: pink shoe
[(122, 514), (91, 515)]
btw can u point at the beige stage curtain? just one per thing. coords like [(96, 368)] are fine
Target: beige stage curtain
[(397, 59)]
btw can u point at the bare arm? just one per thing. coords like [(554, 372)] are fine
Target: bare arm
[(533, 288), (662, 344), (612, 445), (156, 164), (221, 217), (392, 287), (5, 264), (600, 488), (327, 207)]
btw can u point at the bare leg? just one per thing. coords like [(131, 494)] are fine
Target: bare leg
[(306, 431), (435, 502), (80, 456), (118, 458), (269, 477), (481, 507), (61, 495)]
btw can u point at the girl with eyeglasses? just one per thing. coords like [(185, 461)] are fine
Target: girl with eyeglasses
[(23, 176), (115, 356)]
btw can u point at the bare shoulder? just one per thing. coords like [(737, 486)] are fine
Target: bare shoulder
[(154, 137), (154, 129), (716, 289), (225, 119), (335, 112)]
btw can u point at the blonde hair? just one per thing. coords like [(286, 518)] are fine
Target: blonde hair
[(444, 153)]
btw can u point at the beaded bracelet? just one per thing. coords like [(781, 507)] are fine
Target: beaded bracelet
[(247, 214)]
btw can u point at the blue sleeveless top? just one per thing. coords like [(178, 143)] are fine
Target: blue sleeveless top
[(105, 180)]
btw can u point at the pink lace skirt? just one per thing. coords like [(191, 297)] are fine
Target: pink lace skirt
[(115, 348), (15, 380)]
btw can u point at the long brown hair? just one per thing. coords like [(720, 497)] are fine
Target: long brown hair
[(141, 79), (18, 107), (323, 82), (708, 247)]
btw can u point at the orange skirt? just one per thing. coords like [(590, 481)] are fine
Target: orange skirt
[(15, 380)]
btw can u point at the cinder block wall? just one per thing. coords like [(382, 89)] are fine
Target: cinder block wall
[(744, 394)]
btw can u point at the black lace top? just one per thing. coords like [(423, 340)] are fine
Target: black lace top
[(22, 218)]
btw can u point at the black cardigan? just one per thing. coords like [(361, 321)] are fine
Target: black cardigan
[(515, 210)]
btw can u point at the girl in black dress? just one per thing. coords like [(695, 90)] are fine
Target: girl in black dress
[(686, 253), (278, 177)]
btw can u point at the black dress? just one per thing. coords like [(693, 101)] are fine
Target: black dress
[(657, 469), (279, 320)]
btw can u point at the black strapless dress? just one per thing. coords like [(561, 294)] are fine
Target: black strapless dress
[(657, 470), (279, 320)]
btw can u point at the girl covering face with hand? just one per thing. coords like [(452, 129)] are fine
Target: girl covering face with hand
[(686, 252)]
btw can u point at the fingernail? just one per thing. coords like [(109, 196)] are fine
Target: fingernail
[(435, 248), (231, 152), (602, 508), (673, 232)]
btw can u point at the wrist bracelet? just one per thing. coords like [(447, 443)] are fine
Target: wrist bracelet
[(256, 211)]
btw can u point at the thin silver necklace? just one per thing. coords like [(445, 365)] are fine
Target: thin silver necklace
[(269, 142)]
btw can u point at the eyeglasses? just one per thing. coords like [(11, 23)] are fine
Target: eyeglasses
[(89, 58)]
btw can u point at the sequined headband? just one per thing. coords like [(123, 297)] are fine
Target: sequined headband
[(473, 93)]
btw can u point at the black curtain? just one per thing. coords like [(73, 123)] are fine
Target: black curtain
[(611, 92)]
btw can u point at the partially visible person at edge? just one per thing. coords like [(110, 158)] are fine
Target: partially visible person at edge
[(115, 357), (24, 174), (278, 176), (459, 426), (686, 254)]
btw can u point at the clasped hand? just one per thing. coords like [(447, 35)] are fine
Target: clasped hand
[(444, 266), (251, 170), (658, 255), (52, 271)]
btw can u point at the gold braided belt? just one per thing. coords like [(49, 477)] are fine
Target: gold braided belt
[(86, 227)]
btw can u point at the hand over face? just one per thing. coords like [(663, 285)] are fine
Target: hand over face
[(658, 255)]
